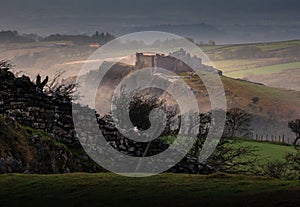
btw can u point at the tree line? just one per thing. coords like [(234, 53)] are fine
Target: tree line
[(230, 155), (9, 36)]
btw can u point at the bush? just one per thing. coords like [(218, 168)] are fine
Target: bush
[(231, 158), (275, 169), (293, 162), (295, 127)]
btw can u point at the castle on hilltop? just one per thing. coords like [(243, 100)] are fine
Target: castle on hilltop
[(175, 62)]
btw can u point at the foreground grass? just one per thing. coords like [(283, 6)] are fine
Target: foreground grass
[(106, 189)]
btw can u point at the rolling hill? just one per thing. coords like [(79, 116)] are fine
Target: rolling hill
[(271, 63), (274, 108), (276, 64)]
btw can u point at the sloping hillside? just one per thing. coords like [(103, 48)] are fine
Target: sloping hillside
[(270, 63), (273, 107), (282, 103), (275, 64)]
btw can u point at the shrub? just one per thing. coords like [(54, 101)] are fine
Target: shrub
[(275, 169)]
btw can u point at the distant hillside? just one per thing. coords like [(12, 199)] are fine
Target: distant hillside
[(274, 108), (201, 30), (269, 63), (284, 104), (276, 64)]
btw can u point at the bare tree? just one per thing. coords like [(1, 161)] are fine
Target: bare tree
[(295, 127), (58, 86), (237, 121), (275, 169), (231, 157), (141, 103)]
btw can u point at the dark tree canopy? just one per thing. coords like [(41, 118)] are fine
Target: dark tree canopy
[(295, 127), (237, 121)]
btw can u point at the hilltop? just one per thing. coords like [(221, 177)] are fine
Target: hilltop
[(272, 107)]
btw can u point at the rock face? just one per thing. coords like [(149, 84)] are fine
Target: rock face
[(48, 143)]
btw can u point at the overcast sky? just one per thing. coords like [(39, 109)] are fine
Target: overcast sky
[(85, 16)]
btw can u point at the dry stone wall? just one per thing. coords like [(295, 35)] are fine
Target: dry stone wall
[(28, 105), (23, 101)]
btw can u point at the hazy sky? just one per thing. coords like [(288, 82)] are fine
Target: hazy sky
[(85, 16)]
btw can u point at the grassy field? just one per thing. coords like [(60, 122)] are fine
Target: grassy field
[(228, 66), (277, 45), (265, 46), (263, 70), (267, 151), (241, 92), (106, 189), (269, 63)]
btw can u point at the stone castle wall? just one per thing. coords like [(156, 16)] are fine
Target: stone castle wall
[(161, 61), (28, 105), (170, 62)]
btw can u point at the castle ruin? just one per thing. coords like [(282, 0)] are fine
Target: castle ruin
[(170, 62)]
